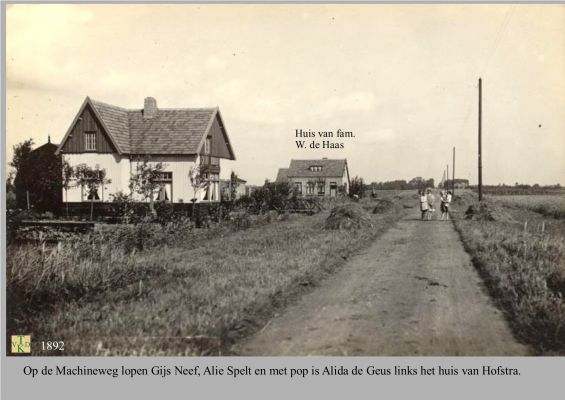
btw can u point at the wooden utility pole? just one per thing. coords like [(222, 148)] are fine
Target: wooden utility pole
[(444, 179), (453, 174), (480, 140), (447, 180)]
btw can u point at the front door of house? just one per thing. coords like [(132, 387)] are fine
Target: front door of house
[(333, 189)]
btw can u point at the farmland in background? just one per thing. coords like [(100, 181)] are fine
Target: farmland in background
[(521, 190), (547, 205)]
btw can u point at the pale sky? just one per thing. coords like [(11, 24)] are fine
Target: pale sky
[(403, 78)]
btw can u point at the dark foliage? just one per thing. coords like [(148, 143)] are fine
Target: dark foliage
[(38, 176), (357, 187), (278, 196), (348, 216), (11, 202), (415, 183)]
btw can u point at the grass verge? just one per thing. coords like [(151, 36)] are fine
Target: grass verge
[(173, 299), (524, 271)]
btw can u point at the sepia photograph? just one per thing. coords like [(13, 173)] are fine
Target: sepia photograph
[(285, 180)]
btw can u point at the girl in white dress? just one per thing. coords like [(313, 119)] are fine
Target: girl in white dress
[(423, 203), (431, 199)]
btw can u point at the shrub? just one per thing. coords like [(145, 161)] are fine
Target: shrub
[(123, 206), (14, 219), (382, 206), (164, 211), (484, 211), (239, 220), (357, 187), (277, 196), (348, 216), (11, 202)]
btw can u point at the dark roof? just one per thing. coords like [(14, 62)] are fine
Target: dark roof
[(47, 147), (170, 131), (239, 180), (330, 168), (282, 175), (116, 120)]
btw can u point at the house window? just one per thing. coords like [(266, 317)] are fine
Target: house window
[(321, 188), (92, 193), (211, 191), (298, 187), (91, 189), (165, 190), (316, 168), (207, 145), (90, 141), (310, 188)]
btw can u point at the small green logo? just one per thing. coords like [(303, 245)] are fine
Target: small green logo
[(21, 344)]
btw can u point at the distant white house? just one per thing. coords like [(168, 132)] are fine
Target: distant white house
[(227, 190), (321, 177), (116, 139)]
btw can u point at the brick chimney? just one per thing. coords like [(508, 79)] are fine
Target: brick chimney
[(149, 107)]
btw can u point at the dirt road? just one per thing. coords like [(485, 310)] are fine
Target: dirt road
[(413, 292)]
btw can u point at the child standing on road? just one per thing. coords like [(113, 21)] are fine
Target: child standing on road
[(431, 199), (448, 197), (443, 206), (423, 203)]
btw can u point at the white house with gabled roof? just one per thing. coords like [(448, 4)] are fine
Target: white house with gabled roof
[(318, 177), (116, 139)]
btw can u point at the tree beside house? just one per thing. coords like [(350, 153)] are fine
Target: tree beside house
[(38, 182), (92, 182)]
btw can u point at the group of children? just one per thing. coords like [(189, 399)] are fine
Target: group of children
[(427, 200)]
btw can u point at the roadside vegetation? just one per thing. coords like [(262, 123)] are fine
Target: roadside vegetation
[(172, 289), (517, 244)]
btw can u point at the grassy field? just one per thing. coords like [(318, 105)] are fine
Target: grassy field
[(547, 205), (520, 191), (521, 257), (193, 295)]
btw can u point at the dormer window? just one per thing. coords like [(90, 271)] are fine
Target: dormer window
[(90, 141), (316, 168)]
